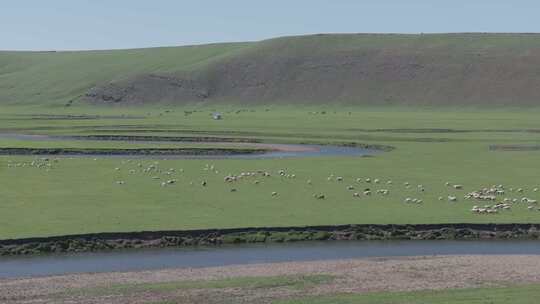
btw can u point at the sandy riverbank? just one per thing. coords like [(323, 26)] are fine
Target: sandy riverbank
[(354, 275)]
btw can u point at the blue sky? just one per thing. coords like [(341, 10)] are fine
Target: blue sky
[(107, 24)]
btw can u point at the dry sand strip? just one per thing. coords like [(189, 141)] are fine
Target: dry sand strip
[(353, 275)]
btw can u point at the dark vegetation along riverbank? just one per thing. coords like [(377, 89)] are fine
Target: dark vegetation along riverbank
[(213, 139), (156, 239), (132, 151)]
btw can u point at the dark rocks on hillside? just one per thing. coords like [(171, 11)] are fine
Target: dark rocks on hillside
[(148, 88)]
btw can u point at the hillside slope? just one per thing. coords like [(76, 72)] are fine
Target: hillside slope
[(435, 69), (58, 77)]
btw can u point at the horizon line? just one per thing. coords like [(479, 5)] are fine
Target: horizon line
[(255, 41)]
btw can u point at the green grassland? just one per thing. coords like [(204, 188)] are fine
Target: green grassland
[(501, 295), (56, 77), (432, 146)]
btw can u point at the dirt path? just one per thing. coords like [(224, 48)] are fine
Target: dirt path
[(355, 275)]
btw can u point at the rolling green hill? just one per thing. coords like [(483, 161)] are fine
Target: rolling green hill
[(374, 69)]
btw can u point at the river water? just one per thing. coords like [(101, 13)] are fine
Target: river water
[(148, 259), (273, 150)]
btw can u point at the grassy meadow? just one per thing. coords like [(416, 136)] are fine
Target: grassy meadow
[(500, 295), (432, 147), (295, 289)]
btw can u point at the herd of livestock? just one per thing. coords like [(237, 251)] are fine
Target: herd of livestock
[(495, 198)]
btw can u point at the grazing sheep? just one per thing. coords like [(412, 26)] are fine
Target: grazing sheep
[(339, 179), (319, 196), (527, 200), (350, 187), (458, 187), (367, 192), (356, 194), (376, 181), (382, 191), (452, 198), (274, 193)]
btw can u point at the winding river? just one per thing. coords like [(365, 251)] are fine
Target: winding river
[(270, 150)]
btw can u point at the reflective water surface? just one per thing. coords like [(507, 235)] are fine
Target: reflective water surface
[(248, 254)]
